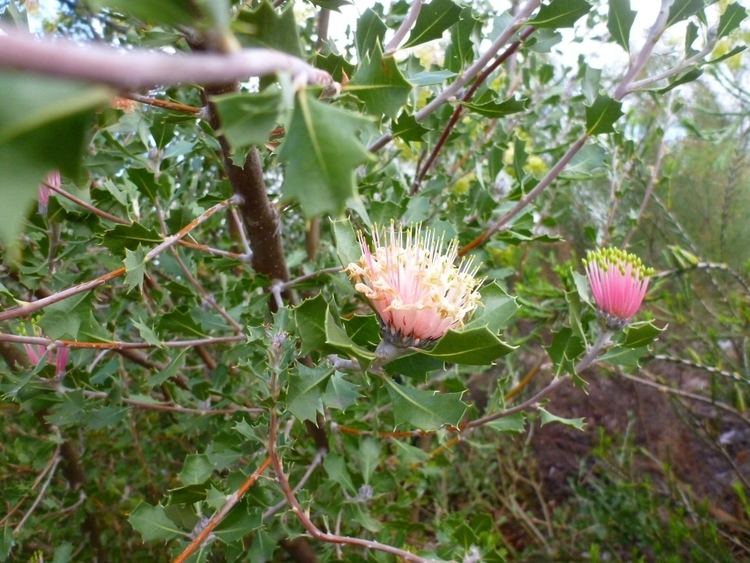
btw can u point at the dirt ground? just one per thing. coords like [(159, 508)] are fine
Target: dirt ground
[(706, 448)]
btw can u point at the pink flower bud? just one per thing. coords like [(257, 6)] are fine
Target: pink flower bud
[(618, 282), (413, 284), (61, 360)]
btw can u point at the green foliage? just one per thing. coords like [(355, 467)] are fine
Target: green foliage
[(176, 363)]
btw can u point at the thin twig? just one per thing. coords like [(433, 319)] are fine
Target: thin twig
[(403, 29), (452, 90), (512, 48), (312, 275), (304, 518), (216, 251), (240, 226), (222, 513), (652, 181), (120, 345), (317, 460), (56, 459), (87, 206), (134, 69), (710, 369), (164, 104), (29, 308), (685, 395)]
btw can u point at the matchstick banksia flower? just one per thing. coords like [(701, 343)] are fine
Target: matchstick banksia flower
[(414, 284), (618, 281)]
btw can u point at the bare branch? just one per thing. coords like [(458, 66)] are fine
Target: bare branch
[(87, 206), (133, 69), (118, 345), (317, 460), (50, 469)]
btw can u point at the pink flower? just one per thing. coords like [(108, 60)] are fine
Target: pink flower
[(618, 282), (414, 284), (59, 356), (52, 179)]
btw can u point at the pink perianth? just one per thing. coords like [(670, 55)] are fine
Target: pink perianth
[(416, 290), (617, 292)]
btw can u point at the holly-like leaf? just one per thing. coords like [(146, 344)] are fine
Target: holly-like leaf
[(730, 19), (426, 410), (170, 12), (337, 338), (265, 27), (153, 523), (340, 394), (129, 236), (380, 84), (433, 20), (560, 13), (564, 349), (196, 469), (619, 21), (496, 310), (247, 119), (305, 390), (492, 108), (370, 32), (321, 151), (408, 129), (641, 334), (683, 9), (689, 76), (546, 417), (602, 114), (474, 347), (240, 521), (460, 51), (513, 423), (331, 4), (43, 126), (310, 316), (135, 267)]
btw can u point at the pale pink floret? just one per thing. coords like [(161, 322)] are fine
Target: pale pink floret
[(53, 180), (59, 356), (414, 287), (618, 282)]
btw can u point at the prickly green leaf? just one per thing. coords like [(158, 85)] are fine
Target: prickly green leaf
[(310, 318), (547, 417), (170, 12), (473, 346), (305, 390), (602, 114), (321, 151), (560, 13), (153, 523), (247, 119), (496, 310), (407, 128), (265, 27), (380, 84), (491, 108), (730, 19), (337, 338), (433, 20), (564, 349), (331, 4), (370, 32), (460, 51), (590, 162), (135, 267), (619, 21), (196, 469), (240, 522), (641, 334), (688, 76), (426, 410), (340, 394), (513, 423), (683, 9)]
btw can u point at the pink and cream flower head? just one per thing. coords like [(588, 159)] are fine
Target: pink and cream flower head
[(413, 283), (52, 179), (618, 281)]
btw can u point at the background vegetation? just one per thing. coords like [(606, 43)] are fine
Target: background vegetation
[(198, 368)]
